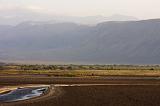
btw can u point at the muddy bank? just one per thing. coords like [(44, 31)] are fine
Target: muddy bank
[(100, 96), (103, 92), (14, 79)]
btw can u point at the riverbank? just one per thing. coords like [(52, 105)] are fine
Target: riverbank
[(110, 91)]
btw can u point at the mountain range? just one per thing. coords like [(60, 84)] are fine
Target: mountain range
[(16, 16), (113, 42)]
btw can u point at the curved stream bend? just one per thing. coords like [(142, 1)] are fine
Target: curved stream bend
[(23, 93)]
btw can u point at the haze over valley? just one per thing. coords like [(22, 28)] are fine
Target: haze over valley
[(121, 42), (80, 31), (79, 52)]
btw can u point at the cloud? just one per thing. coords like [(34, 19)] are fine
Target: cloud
[(34, 8), (7, 6), (15, 7)]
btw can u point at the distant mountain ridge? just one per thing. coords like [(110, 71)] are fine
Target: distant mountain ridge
[(114, 42), (8, 17)]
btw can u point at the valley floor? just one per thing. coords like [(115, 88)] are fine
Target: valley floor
[(101, 91)]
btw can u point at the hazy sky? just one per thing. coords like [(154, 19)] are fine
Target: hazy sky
[(139, 8)]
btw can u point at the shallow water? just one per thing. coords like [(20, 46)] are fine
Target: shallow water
[(22, 94)]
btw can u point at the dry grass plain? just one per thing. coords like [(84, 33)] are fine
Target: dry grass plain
[(83, 73), (115, 87)]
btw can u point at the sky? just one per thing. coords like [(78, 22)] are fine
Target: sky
[(142, 9)]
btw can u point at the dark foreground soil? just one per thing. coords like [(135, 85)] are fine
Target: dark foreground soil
[(103, 95)]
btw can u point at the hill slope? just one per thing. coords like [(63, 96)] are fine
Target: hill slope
[(110, 42)]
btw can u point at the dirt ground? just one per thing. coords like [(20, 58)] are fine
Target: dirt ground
[(145, 93)]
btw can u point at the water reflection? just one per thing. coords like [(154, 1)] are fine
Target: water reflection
[(22, 94)]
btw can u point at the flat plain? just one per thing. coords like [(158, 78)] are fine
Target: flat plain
[(85, 85), (97, 91)]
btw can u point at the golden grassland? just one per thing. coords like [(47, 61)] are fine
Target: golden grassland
[(81, 73), (80, 70)]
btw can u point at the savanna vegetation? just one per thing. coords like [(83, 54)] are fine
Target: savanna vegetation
[(80, 70), (88, 67)]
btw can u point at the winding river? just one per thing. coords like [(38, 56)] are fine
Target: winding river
[(23, 93)]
